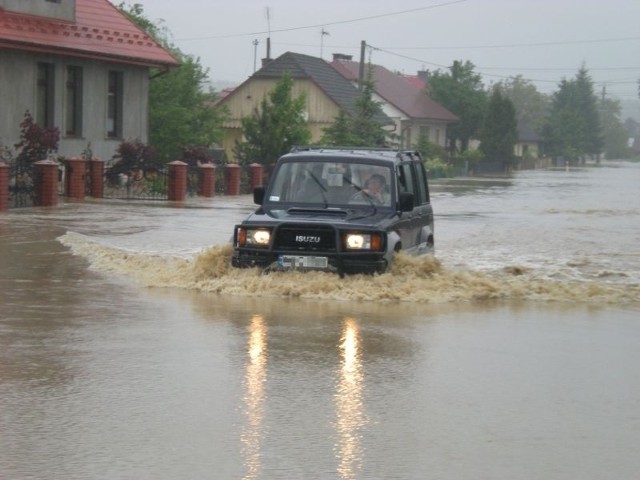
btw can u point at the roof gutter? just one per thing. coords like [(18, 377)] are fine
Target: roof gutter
[(59, 51)]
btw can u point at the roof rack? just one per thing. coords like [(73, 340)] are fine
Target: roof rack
[(310, 148), (306, 148)]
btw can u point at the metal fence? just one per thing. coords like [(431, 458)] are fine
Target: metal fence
[(136, 185), (21, 185)]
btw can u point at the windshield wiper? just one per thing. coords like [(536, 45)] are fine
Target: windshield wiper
[(323, 189)]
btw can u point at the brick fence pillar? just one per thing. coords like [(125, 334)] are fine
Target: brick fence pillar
[(75, 178), (207, 180), (97, 177), (177, 181), (4, 186), (232, 179), (257, 173), (46, 183)]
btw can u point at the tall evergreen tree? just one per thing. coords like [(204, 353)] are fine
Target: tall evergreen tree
[(499, 133), (339, 133), (589, 108), (277, 125), (362, 129), (572, 129)]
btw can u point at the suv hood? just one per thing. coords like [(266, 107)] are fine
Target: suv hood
[(352, 216)]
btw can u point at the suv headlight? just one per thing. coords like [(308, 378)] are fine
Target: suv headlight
[(253, 237), (363, 241)]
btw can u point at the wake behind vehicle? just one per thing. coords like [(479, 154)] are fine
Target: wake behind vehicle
[(343, 210)]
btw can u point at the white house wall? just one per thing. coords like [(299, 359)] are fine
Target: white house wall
[(407, 129), (18, 74)]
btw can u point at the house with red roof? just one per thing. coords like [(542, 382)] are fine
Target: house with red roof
[(78, 65), (403, 100), (326, 93)]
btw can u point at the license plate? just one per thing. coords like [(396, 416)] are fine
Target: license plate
[(302, 261)]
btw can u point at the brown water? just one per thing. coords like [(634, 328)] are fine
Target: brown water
[(129, 348)]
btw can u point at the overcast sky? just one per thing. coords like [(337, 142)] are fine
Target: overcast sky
[(542, 40)]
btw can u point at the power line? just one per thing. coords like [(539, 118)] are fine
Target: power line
[(326, 24), (502, 77), (519, 45)]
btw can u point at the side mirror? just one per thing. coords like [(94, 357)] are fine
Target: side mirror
[(406, 202), (258, 195)]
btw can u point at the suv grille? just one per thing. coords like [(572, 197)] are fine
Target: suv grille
[(310, 238)]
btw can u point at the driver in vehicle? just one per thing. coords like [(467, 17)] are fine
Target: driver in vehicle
[(374, 191)]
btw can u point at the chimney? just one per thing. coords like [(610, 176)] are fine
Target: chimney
[(342, 56), (423, 75)]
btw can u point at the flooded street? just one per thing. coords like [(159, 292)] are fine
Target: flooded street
[(130, 350)]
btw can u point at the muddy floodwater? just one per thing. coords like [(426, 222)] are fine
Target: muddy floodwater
[(129, 349)]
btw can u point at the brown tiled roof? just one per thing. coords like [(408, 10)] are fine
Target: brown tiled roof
[(334, 85), (99, 31), (399, 92), (337, 88)]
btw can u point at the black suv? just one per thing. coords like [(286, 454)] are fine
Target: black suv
[(338, 209)]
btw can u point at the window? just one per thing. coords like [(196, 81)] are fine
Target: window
[(405, 179), (423, 189), (44, 95), (114, 104), (73, 111)]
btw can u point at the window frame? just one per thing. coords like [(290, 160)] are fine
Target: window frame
[(115, 104), (45, 94), (74, 101)]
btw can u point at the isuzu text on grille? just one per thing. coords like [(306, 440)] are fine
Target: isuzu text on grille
[(307, 239)]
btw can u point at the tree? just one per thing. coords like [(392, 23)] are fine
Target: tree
[(530, 105), (36, 142), (181, 111), (613, 131), (499, 133), (572, 129), (340, 132), (181, 114), (588, 107), (428, 149), (460, 91), (362, 129), (277, 125)]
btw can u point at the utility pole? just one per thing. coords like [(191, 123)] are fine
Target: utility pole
[(255, 54), (268, 11), (363, 46)]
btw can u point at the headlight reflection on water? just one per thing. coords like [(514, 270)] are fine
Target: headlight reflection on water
[(349, 402), (255, 377)]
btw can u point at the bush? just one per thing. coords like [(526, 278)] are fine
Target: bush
[(439, 169)]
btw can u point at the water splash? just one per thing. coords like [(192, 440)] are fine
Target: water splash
[(412, 279)]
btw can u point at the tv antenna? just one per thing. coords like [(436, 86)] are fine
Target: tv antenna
[(323, 33)]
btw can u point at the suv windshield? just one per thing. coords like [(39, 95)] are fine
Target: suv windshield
[(331, 183)]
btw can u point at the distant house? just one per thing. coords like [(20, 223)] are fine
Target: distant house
[(529, 140), (633, 132), (78, 65), (403, 100), (327, 92)]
